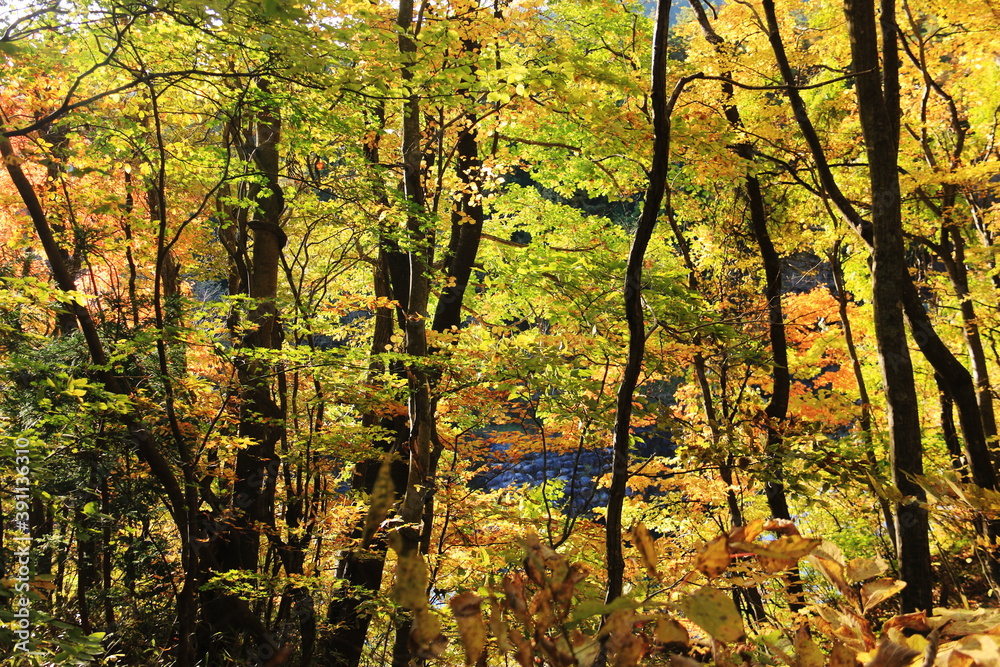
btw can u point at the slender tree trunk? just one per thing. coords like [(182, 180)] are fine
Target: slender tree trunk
[(260, 416), (751, 594), (776, 410), (957, 271), (632, 294), (362, 568), (878, 106), (414, 313), (866, 409), (237, 545), (85, 570), (466, 221), (948, 431), (107, 554)]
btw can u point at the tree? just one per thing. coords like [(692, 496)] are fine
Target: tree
[(311, 316)]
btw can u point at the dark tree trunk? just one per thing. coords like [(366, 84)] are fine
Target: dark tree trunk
[(879, 110), (466, 223), (260, 416), (237, 546), (632, 294), (949, 432), (776, 411), (878, 107)]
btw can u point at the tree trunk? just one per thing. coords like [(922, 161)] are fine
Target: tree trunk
[(632, 294), (237, 546), (878, 107), (776, 411), (866, 409)]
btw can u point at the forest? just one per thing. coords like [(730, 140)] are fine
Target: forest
[(518, 333)]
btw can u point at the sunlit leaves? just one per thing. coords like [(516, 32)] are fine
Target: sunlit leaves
[(714, 557), (716, 613)]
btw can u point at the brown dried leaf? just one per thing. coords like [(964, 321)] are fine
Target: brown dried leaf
[(829, 560), (540, 609), (846, 626), (714, 557), (576, 573), (535, 569), (630, 652), (585, 649), (842, 656), (466, 607), (647, 548), (523, 653), (683, 661), (552, 651), (781, 527), (782, 553), (513, 588), (534, 560), (962, 622), (875, 592), (618, 625), (917, 621)]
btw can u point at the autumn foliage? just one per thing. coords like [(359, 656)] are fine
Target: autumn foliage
[(569, 333)]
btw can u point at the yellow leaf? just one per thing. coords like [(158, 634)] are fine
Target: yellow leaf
[(747, 533), (714, 557), (807, 654), (670, 633), (497, 625), (716, 613), (878, 591), (469, 618), (979, 650), (647, 548), (410, 590)]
